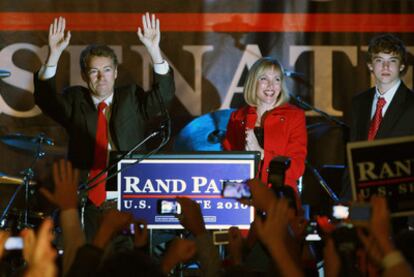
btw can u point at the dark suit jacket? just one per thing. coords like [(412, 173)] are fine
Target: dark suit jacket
[(398, 120), (76, 112)]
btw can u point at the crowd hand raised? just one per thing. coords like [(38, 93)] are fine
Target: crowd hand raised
[(150, 36), (252, 144), (378, 241), (272, 231), (66, 181), (112, 222), (235, 246), (262, 196), (29, 241), (179, 251), (141, 233), (191, 217), (298, 224), (38, 250), (58, 40), (263, 199), (331, 259), (4, 235), (380, 225)]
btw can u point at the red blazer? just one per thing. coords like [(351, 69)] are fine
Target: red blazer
[(284, 135)]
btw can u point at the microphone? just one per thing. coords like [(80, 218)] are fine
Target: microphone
[(300, 102), (4, 73), (294, 74), (165, 127), (164, 124)]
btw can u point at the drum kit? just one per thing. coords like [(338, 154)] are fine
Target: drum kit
[(15, 217), (12, 218)]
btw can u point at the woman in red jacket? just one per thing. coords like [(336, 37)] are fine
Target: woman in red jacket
[(283, 125)]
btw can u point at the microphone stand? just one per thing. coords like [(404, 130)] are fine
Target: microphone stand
[(322, 182), (322, 113), (338, 122)]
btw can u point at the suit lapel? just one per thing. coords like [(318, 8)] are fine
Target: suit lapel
[(90, 113), (114, 115), (394, 111)]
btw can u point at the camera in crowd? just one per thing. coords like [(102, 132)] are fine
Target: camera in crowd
[(276, 179), (341, 225), (236, 190), (168, 207)]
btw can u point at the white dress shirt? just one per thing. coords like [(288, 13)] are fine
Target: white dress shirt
[(388, 96)]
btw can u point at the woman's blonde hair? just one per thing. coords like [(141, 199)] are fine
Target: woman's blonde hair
[(258, 68)]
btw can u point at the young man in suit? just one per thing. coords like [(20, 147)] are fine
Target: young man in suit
[(387, 61), (101, 117), (386, 110)]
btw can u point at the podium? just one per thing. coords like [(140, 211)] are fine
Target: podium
[(197, 175)]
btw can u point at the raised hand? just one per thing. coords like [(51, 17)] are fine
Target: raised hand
[(262, 196), (141, 233), (235, 246), (273, 230), (66, 183), (29, 242), (380, 225), (4, 235), (378, 242), (191, 217), (58, 40), (38, 251), (331, 259), (113, 221), (150, 36), (179, 251)]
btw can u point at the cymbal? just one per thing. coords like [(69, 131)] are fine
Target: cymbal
[(5, 179), (32, 143), (204, 133)]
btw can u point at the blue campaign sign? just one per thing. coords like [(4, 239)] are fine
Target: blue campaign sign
[(142, 184)]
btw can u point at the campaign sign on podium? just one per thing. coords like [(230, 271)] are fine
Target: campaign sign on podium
[(384, 167), (198, 176)]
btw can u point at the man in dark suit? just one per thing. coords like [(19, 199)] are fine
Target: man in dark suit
[(101, 118), (386, 60), (386, 110)]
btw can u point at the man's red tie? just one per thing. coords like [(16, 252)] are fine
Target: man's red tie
[(376, 121), (97, 194)]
